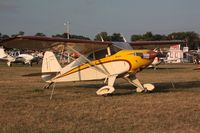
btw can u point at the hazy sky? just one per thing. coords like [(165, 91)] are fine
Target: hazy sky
[(89, 17)]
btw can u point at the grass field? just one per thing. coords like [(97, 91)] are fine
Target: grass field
[(75, 107)]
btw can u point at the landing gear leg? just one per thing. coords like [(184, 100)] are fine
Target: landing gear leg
[(140, 88)]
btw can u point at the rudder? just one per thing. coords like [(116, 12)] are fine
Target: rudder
[(50, 66), (2, 52), (50, 63)]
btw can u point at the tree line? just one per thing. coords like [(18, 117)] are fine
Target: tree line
[(192, 38), (64, 35)]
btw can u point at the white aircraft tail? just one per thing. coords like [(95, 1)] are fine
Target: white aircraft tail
[(6, 57), (2, 52), (50, 66)]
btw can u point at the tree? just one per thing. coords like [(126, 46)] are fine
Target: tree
[(106, 37), (117, 37), (64, 35), (148, 36), (40, 34), (21, 33), (79, 37), (5, 37), (157, 37), (136, 37), (191, 37), (57, 35)]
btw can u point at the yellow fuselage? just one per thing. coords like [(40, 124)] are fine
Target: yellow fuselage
[(136, 62)]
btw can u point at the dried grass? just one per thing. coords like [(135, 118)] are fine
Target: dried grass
[(25, 107)]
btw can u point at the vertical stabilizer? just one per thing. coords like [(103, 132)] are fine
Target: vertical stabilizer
[(6, 57), (2, 52), (50, 66), (50, 63)]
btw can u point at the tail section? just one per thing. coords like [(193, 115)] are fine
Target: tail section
[(6, 57), (50, 66), (2, 52), (50, 63)]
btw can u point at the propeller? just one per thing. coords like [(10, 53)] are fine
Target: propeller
[(160, 54)]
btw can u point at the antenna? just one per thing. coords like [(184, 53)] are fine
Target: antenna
[(66, 23)]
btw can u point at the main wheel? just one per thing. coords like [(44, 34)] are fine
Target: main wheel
[(149, 87), (105, 90)]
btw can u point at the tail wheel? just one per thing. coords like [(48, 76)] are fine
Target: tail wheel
[(105, 90), (149, 87)]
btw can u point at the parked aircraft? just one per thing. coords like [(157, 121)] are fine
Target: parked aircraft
[(21, 58), (97, 60)]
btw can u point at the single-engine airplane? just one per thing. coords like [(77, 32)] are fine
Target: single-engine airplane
[(98, 60)]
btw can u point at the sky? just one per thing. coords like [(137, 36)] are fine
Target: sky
[(89, 17)]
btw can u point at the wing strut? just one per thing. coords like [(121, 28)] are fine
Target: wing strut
[(90, 62)]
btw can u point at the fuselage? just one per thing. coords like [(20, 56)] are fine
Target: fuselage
[(122, 62)]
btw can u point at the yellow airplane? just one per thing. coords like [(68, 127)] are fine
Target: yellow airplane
[(98, 60)]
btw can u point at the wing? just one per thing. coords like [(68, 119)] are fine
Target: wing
[(83, 46), (45, 43), (155, 44)]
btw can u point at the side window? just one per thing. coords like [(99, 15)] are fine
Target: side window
[(100, 54)]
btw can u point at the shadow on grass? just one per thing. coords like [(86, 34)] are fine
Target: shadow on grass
[(169, 68), (167, 86), (164, 87)]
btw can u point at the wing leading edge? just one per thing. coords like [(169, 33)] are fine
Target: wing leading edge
[(45, 43)]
